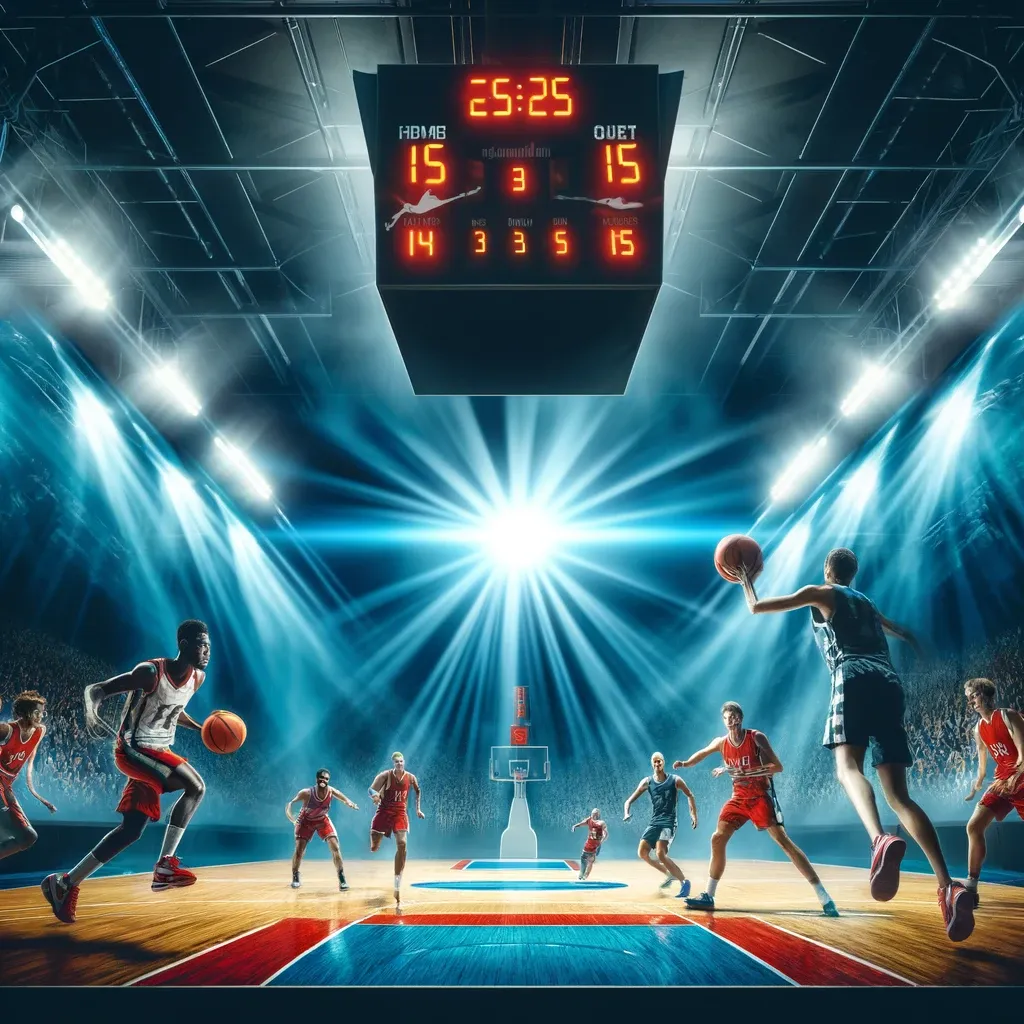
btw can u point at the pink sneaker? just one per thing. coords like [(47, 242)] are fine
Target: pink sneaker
[(886, 854), (169, 874), (957, 906)]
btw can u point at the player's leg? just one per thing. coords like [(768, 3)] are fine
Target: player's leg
[(983, 816), (724, 830), (168, 873), (375, 840), (804, 866), (671, 866), (643, 851), (586, 859), (850, 773), (300, 849), (335, 847), (401, 841), (16, 831)]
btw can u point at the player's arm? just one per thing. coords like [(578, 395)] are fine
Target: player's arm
[(30, 782), (1015, 725), (712, 748), (344, 799), (685, 790), (379, 784), (580, 824), (142, 677), (979, 782), (899, 632), (820, 597), (5, 731), (414, 783), (637, 793), (303, 794)]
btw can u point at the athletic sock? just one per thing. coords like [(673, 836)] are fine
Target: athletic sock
[(172, 836), (712, 886), (971, 884), (822, 894), (83, 869)]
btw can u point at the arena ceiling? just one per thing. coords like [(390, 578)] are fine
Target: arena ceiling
[(832, 161)]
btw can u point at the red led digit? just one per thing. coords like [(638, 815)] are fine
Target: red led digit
[(566, 108), (519, 243), (535, 97), (621, 242), (421, 243), (440, 172), (616, 160), (518, 179), (561, 242), (498, 95), (479, 242), (477, 103)]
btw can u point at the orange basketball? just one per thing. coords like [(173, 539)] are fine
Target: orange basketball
[(223, 732), (736, 552)]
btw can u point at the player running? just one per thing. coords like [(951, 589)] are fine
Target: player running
[(664, 790), (159, 691), (867, 706), (19, 741), (313, 820), (597, 833), (1000, 731), (751, 762), (390, 792)]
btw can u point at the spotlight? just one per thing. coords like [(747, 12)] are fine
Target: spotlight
[(169, 377), (18, 214), (519, 538), (91, 415), (871, 382), (806, 459), (245, 468)]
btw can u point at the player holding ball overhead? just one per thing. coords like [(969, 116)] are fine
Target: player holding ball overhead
[(158, 691), (866, 710)]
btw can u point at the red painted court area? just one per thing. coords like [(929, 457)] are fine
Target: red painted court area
[(478, 948)]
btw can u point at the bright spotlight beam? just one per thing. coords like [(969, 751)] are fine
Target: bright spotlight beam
[(170, 378), (519, 538), (245, 468)]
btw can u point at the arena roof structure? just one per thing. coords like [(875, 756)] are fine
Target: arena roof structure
[(833, 164)]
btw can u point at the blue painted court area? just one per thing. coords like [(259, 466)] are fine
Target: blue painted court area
[(627, 955), (516, 884), (517, 865)]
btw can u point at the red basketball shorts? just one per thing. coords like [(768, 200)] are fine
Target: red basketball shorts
[(758, 809), (388, 821), (148, 771), (590, 846), (9, 803), (305, 830), (1000, 804)]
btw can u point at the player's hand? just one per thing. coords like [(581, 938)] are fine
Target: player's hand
[(419, 813), (352, 806), (95, 727), (573, 829), (376, 798), (626, 817), (678, 764), (693, 818), (720, 770), (49, 806)]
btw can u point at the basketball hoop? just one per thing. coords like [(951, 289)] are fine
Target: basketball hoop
[(519, 775)]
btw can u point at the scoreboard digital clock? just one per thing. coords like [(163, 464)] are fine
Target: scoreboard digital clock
[(518, 176), (519, 220)]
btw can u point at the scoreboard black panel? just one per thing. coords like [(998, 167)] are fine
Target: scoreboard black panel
[(518, 176), (519, 220)]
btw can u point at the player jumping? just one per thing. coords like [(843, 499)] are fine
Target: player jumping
[(390, 791), (313, 820), (1000, 731), (868, 705), (19, 741), (159, 690), (751, 762), (597, 833), (664, 790)]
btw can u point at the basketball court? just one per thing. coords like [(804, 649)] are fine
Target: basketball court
[(480, 923)]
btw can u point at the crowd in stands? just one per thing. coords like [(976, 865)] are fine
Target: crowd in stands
[(79, 776)]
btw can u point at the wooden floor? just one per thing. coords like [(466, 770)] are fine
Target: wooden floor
[(242, 924)]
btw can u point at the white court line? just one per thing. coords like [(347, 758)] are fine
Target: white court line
[(202, 952), (745, 952), (136, 874), (841, 952), (317, 945)]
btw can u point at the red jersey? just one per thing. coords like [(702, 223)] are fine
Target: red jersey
[(395, 798), (595, 834), (996, 736), (747, 758), (15, 753), (315, 810)]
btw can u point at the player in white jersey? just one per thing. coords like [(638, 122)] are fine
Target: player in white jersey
[(159, 691)]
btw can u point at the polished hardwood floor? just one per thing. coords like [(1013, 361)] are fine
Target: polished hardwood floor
[(242, 924)]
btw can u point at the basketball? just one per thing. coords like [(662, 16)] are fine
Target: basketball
[(223, 732), (736, 552)]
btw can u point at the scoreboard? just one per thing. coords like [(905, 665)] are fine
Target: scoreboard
[(518, 176), (519, 217)]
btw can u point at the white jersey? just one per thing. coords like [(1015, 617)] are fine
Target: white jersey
[(150, 719)]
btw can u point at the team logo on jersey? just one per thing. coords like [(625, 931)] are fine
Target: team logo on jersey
[(19, 756), (999, 749)]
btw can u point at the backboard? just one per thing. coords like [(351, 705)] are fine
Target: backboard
[(530, 763)]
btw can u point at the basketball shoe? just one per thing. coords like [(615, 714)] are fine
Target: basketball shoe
[(342, 884), (886, 854), (169, 874), (667, 884), (701, 902), (62, 897), (684, 890), (957, 906), (296, 880), (829, 909)]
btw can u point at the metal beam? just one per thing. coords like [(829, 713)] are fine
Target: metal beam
[(770, 314), (329, 168), (918, 9)]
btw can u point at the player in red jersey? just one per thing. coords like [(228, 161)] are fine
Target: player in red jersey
[(313, 820), (159, 691), (999, 732), (597, 833), (751, 762), (390, 792), (19, 741)]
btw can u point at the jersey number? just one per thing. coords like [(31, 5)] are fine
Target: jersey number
[(172, 712)]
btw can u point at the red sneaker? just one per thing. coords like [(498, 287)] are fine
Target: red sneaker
[(169, 874), (886, 854), (957, 906), (62, 897)]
